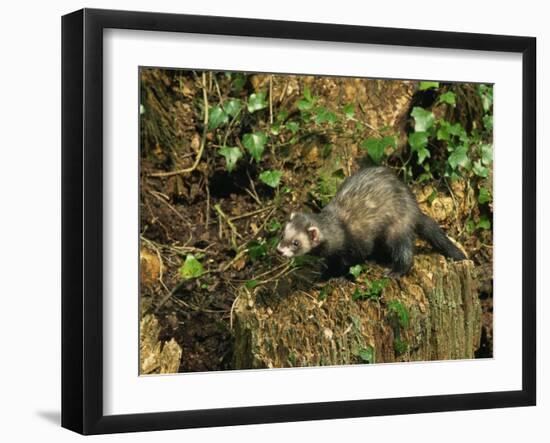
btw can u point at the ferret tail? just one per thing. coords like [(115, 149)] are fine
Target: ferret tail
[(430, 231)]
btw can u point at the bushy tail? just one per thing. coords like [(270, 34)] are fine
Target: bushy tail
[(429, 230)]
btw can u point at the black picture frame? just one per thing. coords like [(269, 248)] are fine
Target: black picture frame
[(82, 218)]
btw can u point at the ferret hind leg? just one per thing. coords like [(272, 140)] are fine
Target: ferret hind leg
[(402, 254)]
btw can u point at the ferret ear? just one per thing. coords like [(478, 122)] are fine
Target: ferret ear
[(314, 234), (292, 215)]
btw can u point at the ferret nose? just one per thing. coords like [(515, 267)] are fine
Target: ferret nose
[(279, 249)]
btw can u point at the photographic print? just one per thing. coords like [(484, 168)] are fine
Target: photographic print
[(299, 221)]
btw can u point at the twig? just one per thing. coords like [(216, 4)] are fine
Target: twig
[(218, 90), (251, 213), (271, 99), (231, 311), (207, 221), (234, 231), (158, 197), (254, 189), (203, 139), (287, 269)]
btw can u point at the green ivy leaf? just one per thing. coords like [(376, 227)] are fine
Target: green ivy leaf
[(484, 196), (257, 250), (470, 226), (488, 122), (486, 94), (448, 97), (305, 105), (293, 127), (480, 170), (323, 115), (367, 354), (459, 157), (271, 178), (255, 144), (486, 154), (423, 120), (256, 102), (349, 110), (232, 156), (216, 117), (376, 147), (273, 225), (233, 107), (484, 223), (446, 131), (418, 142), (238, 82), (356, 270), (428, 85), (191, 268)]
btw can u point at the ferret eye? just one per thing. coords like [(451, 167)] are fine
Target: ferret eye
[(295, 243)]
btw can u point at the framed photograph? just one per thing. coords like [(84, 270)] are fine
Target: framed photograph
[(269, 221)]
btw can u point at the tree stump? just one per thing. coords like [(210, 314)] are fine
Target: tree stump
[(274, 330)]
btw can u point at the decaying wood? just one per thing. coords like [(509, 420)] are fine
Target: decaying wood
[(155, 356), (297, 330)]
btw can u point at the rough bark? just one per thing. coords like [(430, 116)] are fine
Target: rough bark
[(156, 357), (440, 297)]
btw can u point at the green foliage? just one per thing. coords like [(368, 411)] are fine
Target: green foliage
[(191, 268), (459, 157), (428, 85), (372, 292), (257, 250), (322, 115), (349, 110), (232, 156), (238, 81), (356, 270), (308, 102), (255, 144), (324, 292), (251, 284), (484, 223), (217, 117), (376, 147), (367, 354), (327, 182), (400, 346), (398, 310), (448, 97), (418, 142), (232, 107), (273, 225), (451, 132), (423, 120), (486, 94), (256, 102), (484, 196), (271, 178)]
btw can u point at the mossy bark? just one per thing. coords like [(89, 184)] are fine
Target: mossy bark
[(296, 329)]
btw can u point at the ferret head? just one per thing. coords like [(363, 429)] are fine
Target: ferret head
[(301, 235)]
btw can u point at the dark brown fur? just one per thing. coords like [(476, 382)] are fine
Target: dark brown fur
[(372, 215)]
